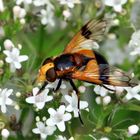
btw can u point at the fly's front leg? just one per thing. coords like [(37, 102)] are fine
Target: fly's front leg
[(78, 95), (58, 85), (43, 87)]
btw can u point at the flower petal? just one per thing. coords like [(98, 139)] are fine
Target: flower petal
[(40, 125), (50, 122), (30, 100), (69, 108), (8, 60), (15, 52), (76, 113), (61, 126), (9, 92), (35, 91), (51, 111), (12, 67), (50, 129), (17, 65), (23, 58), (61, 109), (9, 101), (3, 109), (49, 98), (83, 104), (40, 105), (67, 117), (43, 136), (68, 98), (117, 8), (36, 131)]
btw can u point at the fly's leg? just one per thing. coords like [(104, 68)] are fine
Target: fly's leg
[(43, 87), (58, 85), (78, 95), (113, 90)]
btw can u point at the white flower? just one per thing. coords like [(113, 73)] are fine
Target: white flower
[(41, 2), (40, 99), (58, 117), (8, 44), (5, 133), (69, 3), (43, 130), (132, 130), (19, 12), (1, 6), (73, 104), (134, 43), (59, 137), (18, 2), (4, 98), (100, 90), (104, 138), (132, 92), (47, 16), (116, 4), (14, 58), (66, 13)]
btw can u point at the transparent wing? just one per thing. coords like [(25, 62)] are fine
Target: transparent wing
[(105, 74)]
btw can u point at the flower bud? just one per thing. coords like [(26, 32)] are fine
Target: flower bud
[(37, 118), (82, 89), (5, 133), (133, 129), (98, 100), (8, 44), (106, 100)]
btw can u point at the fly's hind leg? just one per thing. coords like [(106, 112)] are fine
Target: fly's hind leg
[(78, 95), (112, 90)]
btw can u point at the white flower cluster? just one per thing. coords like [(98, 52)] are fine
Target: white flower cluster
[(13, 56), (59, 116), (4, 99), (105, 99), (43, 8), (116, 4), (45, 130), (134, 43), (69, 5), (19, 13)]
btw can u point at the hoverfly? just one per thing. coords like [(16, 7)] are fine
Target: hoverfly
[(79, 61)]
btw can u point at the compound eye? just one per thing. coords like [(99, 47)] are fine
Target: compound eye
[(51, 75)]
